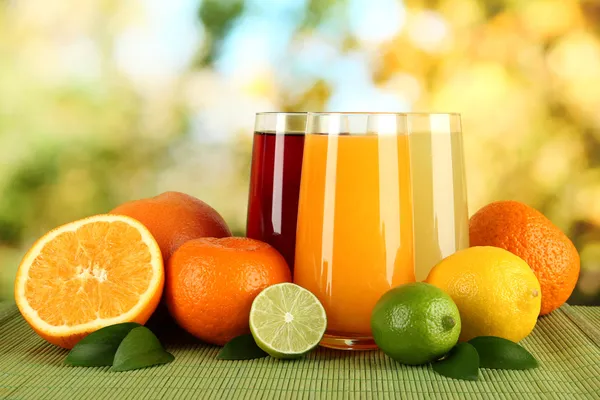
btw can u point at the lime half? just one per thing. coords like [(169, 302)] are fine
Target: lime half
[(287, 321)]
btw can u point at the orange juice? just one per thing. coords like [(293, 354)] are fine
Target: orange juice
[(355, 231)]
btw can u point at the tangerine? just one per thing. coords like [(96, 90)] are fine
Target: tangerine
[(211, 283)]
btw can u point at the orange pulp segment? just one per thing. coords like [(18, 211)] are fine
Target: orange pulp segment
[(88, 274)]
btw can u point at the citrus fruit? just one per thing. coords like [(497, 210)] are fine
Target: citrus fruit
[(526, 232), (173, 218), (415, 323), (496, 292), (287, 321), (211, 283), (89, 274)]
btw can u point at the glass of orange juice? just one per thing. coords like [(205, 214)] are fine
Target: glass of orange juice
[(441, 217), (355, 226)]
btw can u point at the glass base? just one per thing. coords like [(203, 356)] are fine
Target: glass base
[(348, 342)]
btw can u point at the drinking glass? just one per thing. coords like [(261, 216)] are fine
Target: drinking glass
[(441, 218), (355, 230), (275, 180)]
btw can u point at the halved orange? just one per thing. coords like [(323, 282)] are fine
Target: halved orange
[(89, 274)]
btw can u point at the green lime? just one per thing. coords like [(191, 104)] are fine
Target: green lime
[(415, 323), (287, 321)]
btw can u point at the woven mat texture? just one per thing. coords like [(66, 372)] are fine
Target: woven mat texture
[(566, 343)]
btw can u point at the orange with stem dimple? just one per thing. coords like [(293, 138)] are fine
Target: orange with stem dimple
[(173, 218), (89, 274)]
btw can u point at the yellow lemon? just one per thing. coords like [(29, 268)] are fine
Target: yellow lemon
[(496, 292)]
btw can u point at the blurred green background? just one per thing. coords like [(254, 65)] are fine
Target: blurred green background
[(102, 101)]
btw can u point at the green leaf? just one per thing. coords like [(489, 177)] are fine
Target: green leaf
[(498, 353), (461, 363), (241, 348), (140, 349), (98, 348)]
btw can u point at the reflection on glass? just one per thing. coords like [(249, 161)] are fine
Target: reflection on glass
[(355, 228)]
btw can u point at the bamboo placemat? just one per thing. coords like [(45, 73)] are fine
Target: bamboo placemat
[(563, 342)]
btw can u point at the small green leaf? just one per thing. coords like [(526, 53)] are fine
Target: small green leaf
[(498, 353), (98, 348), (461, 363), (241, 348), (140, 349)]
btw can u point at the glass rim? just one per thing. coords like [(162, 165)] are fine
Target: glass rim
[(281, 123), (319, 113), (292, 113), (383, 123), (367, 113)]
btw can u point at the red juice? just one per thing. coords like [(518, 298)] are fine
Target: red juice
[(274, 190)]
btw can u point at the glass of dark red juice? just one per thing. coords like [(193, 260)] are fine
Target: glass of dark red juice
[(275, 180)]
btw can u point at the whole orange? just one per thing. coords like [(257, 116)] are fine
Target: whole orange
[(210, 284), (173, 218), (526, 232)]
